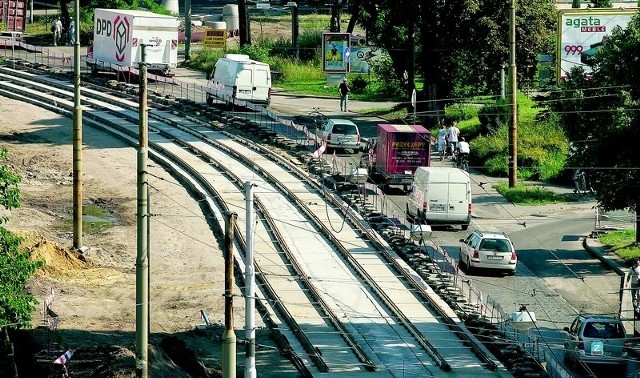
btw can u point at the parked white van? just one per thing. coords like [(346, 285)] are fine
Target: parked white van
[(440, 195), (239, 77)]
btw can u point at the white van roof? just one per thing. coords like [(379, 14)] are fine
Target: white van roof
[(238, 57), (440, 174)]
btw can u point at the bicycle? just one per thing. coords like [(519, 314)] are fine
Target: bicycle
[(462, 161), (317, 118)]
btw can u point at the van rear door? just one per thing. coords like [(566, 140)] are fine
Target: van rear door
[(262, 84), (458, 202), (244, 84)]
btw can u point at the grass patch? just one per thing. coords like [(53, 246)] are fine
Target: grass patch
[(623, 243), (393, 115), (95, 219), (529, 195)]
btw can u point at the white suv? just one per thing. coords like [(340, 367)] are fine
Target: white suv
[(489, 250)]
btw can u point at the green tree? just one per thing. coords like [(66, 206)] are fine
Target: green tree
[(602, 3), (601, 118), (464, 43), (16, 305)]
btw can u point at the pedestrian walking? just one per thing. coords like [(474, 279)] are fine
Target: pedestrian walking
[(452, 135), (72, 33), (442, 142), (633, 277), (578, 181), (56, 29), (344, 94)]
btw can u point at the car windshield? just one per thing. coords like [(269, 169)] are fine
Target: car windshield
[(498, 245)]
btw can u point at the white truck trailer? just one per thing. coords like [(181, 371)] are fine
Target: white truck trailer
[(118, 35)]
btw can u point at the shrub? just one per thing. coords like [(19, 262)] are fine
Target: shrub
[(258, 53), (461, 112), (308, 44), (542, 150), (493, 116), (358, 84), (384, 72)]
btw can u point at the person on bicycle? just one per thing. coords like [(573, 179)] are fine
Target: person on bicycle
[(463, 151)]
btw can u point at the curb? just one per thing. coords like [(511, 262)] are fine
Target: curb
[(598, 252)]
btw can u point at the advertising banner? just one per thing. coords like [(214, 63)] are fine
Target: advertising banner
[(336, 52), (581, 32)]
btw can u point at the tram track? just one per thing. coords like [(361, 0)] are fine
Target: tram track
[(393, 306)]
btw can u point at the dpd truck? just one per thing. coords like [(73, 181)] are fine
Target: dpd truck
[(118, 35)]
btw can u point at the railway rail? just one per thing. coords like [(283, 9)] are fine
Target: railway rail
[(335, 294)]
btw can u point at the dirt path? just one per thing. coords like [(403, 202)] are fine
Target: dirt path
[(95, 290)]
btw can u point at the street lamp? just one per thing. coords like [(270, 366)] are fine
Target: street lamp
[(294, 27)]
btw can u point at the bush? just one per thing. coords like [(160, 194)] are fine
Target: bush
[(358, 84), (461, 112), (493, 116), (384, 72), (259, 53), (542, 150), (308, 43)]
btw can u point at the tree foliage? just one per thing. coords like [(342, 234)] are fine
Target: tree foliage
[(16, 305), (463, 44), (600, 113)]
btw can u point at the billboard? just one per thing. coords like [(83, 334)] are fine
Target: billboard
[(336, 52), (581, 32), (361, 56)]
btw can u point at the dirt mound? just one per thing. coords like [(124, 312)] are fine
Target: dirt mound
[(59, 261)]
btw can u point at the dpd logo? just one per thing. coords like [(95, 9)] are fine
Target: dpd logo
[(121, 28)]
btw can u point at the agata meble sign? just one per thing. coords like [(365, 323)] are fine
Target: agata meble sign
[(582, 32), (118, 30)]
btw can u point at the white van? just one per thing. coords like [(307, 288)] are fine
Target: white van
[(239, 77), (440, 195)]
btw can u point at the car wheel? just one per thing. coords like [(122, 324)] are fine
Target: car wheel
[(469, 267), (209, 100)]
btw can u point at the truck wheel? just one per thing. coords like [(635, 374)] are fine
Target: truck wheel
[(209, 100), (464, 227)]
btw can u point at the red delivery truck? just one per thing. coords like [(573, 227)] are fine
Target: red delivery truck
[(396, 153)]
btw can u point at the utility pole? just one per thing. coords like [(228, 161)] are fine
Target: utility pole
[(77, 135), (294, 27), (243, 23), (142, 259), (187, 29), (513, 126), (249, 295), (228, 336), (502, 83)]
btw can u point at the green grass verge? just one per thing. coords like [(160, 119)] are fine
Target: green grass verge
[(530, 195), (623, 243)]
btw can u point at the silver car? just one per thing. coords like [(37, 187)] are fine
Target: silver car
[(596, 340), (339, 133), (488, 250)]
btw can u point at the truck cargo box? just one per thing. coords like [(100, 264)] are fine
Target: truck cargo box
[(118, 35), (398, 151)]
